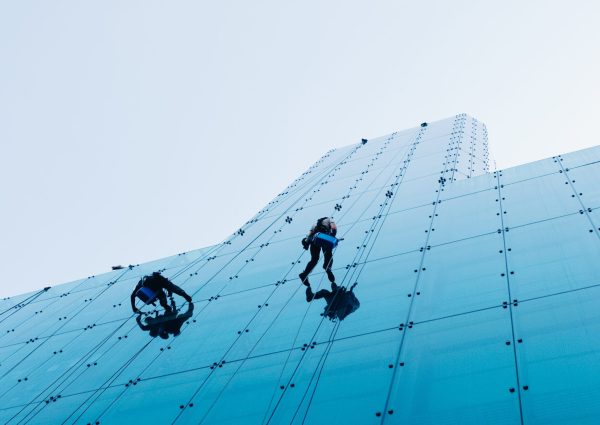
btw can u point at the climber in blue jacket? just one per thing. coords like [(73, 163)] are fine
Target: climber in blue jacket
[(320, 238)]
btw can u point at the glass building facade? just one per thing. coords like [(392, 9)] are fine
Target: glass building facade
[(474, 299)]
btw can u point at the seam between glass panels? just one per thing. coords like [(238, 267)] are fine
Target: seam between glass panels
[(459, 121), (235, 256), (27, 415), (510, 299), (321, 273), (287, 302), (348, 337), (364, 244), (576, 194)]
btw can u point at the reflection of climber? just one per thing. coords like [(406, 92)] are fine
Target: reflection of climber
[(320, 238), (166, 324), (152, 288), (340, 301)]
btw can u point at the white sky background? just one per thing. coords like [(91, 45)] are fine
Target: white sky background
[(134, 130)]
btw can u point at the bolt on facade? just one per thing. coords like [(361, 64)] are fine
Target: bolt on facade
[(477, 299)]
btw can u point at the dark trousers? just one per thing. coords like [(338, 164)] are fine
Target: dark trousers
[(315, 252), (171, 288), (328, 295)]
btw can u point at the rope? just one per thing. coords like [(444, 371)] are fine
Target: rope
[(357, 256)]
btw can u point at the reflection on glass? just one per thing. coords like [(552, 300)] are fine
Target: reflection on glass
[(168, 323), (441, 255), (340, 301)]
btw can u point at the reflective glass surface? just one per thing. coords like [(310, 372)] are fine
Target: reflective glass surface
[(460, 295)]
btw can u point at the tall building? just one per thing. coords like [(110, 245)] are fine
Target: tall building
[(471, 297)]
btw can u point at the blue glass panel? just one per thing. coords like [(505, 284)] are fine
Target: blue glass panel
[(456, 370), (473, 185), (430, 166), (382, 288), (460, 277), (6, 414), (330, 375), (578, 158), (415, 193), (533, 169), (467, 216), (521, 207), (403, 231), (558, 341), (51, 361), (552, 256), (584, 180), (174, 392), (417, 328)]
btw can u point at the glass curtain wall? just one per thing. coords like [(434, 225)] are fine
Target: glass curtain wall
[(461, 296)]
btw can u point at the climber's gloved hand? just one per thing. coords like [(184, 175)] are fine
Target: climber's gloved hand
[(305, 243)]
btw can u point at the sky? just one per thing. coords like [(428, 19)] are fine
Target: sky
[(135, 130)]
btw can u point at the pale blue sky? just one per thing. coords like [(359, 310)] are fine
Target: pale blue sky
[(134, 130)]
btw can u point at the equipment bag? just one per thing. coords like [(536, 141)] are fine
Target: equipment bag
[(324, 240), (147, 295)]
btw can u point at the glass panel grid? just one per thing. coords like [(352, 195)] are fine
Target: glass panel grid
[(460, 285)]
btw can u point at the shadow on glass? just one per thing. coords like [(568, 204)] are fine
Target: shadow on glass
[(166, 324), (340, 302)]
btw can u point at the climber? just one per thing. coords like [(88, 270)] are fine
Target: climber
[(320, 238), (151, 288)]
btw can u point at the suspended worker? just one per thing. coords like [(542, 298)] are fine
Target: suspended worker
[(152, 288), (320, 238)]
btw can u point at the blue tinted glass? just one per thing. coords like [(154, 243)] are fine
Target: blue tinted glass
[(455, 370), (453, 296), (558, 342)]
